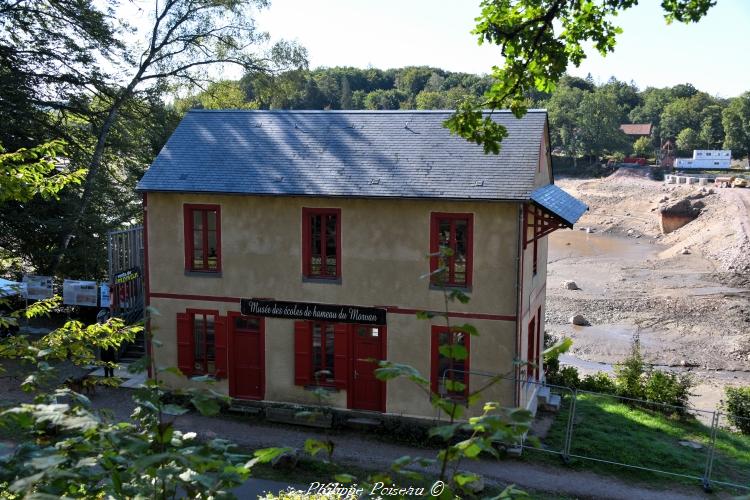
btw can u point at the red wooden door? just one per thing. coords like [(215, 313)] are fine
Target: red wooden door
[(246, 357), (367, 392)]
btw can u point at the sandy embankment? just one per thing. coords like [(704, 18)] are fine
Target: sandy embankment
[(691, 311)]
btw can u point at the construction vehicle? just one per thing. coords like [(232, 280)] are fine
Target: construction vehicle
[(740, 182), (723, 181)]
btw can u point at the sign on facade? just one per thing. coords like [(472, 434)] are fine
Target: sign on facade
[(80, 293), (313, 312), (131, 274), (38, 287)]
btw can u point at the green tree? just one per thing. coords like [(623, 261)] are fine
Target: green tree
[(599, 124), (711, 133), (643, 146), (736, 122), (687, 141), (384, 99), (223, 94), (539, 39), (563, 109)]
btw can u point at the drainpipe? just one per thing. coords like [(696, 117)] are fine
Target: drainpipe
[(519, 298)]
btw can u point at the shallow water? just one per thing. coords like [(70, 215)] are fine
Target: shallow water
[(567, 244)]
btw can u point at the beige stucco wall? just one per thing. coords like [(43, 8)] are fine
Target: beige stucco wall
[(384, 247)]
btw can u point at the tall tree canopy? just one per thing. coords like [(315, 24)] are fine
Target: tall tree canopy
[(538, 40)]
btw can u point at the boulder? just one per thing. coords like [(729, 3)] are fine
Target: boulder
[(579, 320), (570, 285), (678, 213), (685, 251)]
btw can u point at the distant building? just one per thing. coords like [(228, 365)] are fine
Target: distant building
[(713, 159), (636, 130)]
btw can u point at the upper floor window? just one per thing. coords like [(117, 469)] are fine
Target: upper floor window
[(321, 243), (203, 238), (455, 233)]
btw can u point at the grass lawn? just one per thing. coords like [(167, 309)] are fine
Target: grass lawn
[(606, 429)]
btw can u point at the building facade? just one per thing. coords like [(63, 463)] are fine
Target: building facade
[(287, 250)]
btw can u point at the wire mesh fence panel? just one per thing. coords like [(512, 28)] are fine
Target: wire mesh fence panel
[(553, 407), (731, 458), (641, 435)]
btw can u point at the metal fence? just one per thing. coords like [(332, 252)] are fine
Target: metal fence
[(125, 255), (694, 444)]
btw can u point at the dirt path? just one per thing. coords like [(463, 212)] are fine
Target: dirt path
[(368, 453), (690, 310)]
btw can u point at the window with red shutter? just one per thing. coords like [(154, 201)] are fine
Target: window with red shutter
[(321, 243), (456, 233), (444, 367), (220, 346), (184, 344), (302, 353), (341, 355), (202, 238)]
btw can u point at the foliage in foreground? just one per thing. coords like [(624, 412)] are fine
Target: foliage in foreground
[(69, 449), (736, 403)]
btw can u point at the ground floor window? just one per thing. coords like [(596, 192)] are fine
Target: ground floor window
[(323, 369), (202, 343), (450, 362), (321, 354), (204, 338)]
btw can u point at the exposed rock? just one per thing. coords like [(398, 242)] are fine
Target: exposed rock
[(590, 230), (691, 444), (570, 285), (676, 214), (579, 320), (685, 251)]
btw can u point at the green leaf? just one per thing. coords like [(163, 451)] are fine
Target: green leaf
[(206, 406), (445, 432), (173, 409), (554, 351), (463, 479), (466, 328), (345, 478)]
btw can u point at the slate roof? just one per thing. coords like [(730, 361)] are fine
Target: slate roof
[(560, 203), (636, 128), (391, 154)]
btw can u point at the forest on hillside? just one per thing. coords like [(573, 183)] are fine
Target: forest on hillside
[(584, 116), (584, 122)]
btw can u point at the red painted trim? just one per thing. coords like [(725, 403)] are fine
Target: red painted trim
[(307, 213), (182, 296), (187, 214), (383, 357), (231, 315), (390, 309), (435, 244), (491, 317), (146, 283)]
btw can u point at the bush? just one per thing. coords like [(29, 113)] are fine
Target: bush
[(598, 382), (669, 389), (737, 407), (630, 375), (567, 376)]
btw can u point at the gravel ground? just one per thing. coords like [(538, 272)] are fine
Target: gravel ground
[(690, 310)]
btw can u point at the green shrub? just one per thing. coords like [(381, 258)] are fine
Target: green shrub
[(669, 389), (598, 382), (630, 375), (567, 376), (737, 407)]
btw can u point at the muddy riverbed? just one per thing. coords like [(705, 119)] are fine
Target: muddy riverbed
[(686, 315)]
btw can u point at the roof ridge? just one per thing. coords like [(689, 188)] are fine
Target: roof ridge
[(351, 111)]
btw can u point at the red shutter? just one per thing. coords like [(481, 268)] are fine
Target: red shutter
[(341, 355), (434, 246), (185, 347), (220, 346), (302, 353), (305, 246)]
